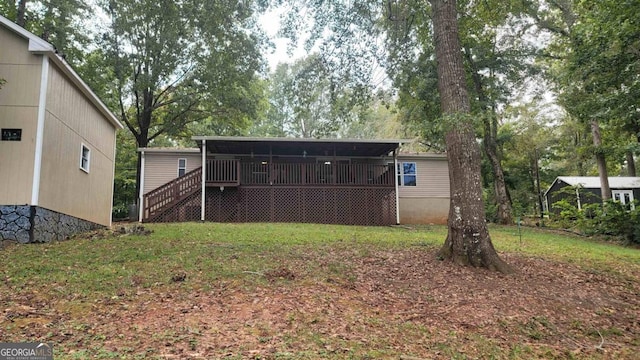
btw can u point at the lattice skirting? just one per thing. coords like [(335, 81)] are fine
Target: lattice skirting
[(328, 205)]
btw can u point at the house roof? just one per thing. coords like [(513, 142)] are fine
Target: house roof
[(593, 182), (182, 150), (39, 46), (169, 150), (433, 156), (298, 146)]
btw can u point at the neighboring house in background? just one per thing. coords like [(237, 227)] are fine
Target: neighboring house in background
[(581, 190), (57, 150), (335, 181)]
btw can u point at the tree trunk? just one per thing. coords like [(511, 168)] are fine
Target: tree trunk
[(579, 164), (468, 241), (504, 213), (601, 161), (143, 118), (631, 164), (142, 141), (536, 168), (22, 8)]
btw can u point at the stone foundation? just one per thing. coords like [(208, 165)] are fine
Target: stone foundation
[(33, 224), (15, 223)]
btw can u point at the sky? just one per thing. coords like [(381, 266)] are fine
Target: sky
[(270, 22)]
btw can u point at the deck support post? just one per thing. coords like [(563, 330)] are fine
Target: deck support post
[(141, 195), (204, 179), (270, 169), (395, 176)]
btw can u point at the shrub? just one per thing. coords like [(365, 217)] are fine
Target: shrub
[(568, 214), (120, 212), (614, 219)]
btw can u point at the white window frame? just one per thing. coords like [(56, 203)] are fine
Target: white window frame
[(621, 194), (182, 168), (400, 173), (84, 168)]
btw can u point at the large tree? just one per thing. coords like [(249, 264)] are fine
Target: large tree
[(531, 154), (605, 61), (174, 63), (596, 68), (468, 241), (496, 60), (339, 24), (303, 103)]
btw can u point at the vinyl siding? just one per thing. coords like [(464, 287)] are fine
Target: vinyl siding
[(428, 201), (70, 106), (18, 110), (70, 121), (17, 157), (15, 49), (162, 167), (434, 210), (432, 178)]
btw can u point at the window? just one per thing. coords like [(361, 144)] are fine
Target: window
[(182, 167), (407, 174), (85, 158), (625, 197)]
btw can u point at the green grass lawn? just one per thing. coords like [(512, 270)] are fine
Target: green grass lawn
[(71, 277), (94, 268)]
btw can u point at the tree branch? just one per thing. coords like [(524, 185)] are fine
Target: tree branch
[(172, 121), (171, 87)]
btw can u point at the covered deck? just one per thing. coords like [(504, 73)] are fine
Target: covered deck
[(283, 180), (297, 162)]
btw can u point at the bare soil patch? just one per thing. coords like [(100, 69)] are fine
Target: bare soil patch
[(387, 304)]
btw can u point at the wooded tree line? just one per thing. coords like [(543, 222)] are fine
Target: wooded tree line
[(547, 87)]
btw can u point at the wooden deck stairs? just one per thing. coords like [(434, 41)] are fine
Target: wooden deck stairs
[(164, 198)]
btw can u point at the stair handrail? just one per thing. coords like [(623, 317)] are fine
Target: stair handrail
[(173, 191)]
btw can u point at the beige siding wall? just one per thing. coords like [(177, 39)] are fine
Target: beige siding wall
[(423, 210), (17, 157), (15, 49), (70, 121), (18, 110), (432, 178), (428, 201), (160, 167)]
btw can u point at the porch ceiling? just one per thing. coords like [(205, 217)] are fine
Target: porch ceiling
[(300, 147)]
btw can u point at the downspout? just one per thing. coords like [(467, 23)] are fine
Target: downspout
[(395, 176), (42, 104), (204, 179), (141, 195)]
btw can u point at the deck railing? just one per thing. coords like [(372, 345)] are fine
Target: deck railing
[(155, 201), (234, 172), (302, 174), (225, 172)]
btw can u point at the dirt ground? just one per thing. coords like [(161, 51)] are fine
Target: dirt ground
[(393, 304)]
